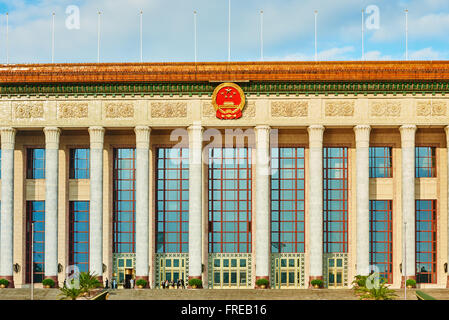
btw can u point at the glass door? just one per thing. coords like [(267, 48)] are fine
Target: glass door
[(287, 273), (230, 273), (335, 273)]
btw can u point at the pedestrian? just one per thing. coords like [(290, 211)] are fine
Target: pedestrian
[(166, 284), (183, 284), (107, 283), (114, 284), (131, 284)]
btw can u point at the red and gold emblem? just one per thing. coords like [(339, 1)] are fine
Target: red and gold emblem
[(228, 100)]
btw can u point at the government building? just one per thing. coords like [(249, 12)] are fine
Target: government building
[(225, 172)]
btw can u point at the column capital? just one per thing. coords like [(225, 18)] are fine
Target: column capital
[(408, 132), (142, 137), (315, 135), (362, 133), (195, 127), (96, 137), (8, 136), (262, 127), (52, 137)]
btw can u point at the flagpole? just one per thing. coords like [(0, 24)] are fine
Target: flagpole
[(316, 44), (261, 35), (363, 36), (7, 38), (98, 37), (406, 34), (229, 31), (195, 36), (141, 36), (53, 38)]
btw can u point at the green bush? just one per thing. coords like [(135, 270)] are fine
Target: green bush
[(195, 282), (381, 291), (48, 282), (317, 282), (262, 282), (88, 281), (411, 283), (141, 282), (4, 282)]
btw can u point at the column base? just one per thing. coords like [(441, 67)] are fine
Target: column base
[(146, 278), (55, 279), (405, 278), (11, 281), (263, 277), (195, 277), (311, 278)]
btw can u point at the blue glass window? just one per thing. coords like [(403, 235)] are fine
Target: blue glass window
[(172, 200), (287, 200), (381, 238), (36, 216), (124, 186), (426, 241), (425, 162), (79, 163), (230, 200), (79, 235), (380, 162), (335, 206), (35, 163)]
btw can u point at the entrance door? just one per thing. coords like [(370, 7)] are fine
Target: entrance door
[(287, 273), (230, 272), (126, 271), (335, 272)]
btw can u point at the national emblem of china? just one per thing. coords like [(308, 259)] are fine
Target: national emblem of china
[(228, 100)]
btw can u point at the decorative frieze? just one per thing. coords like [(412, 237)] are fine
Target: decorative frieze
[(249, 110), (339, 108), (169, 110), (289, 109), (73, 110), (117, 110), (431, 108), (386, 109), (28, 110)]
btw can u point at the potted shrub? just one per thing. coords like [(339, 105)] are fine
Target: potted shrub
[(410, 283), (262, 283), (141, 283), (195, 283), (4, 283), (48, 283), (317, 283)]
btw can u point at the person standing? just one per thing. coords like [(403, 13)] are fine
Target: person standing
[(131, 284), (107, 284)]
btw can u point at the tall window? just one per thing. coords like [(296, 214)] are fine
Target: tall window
[(79, 163), (380, 162), (335, 198), (172, 200), (425, 161), (79, 235), (124, 201), (287, 200), (35, 244), (35, 163), (426, 241), (230, 200), (380, 238)]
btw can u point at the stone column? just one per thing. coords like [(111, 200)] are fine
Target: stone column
[(446, 129), (51, 202), (96, 201), (195, 201), (362, 133), (315, 202), (262, 183), (408, 201), (8, 136), (142, 202)]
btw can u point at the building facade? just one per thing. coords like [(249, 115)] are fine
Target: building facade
[(332, 170)]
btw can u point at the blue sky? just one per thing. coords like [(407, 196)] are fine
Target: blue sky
[(168, 30)]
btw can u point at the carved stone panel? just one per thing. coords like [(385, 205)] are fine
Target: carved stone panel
[(115, 110), (289, 109), (28, 110), (385, 109), (169, 110), (339, 108), (431, 108), (73, 110)]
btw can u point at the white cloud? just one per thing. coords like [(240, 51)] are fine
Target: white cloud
[(376, 55), (425, 54)]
